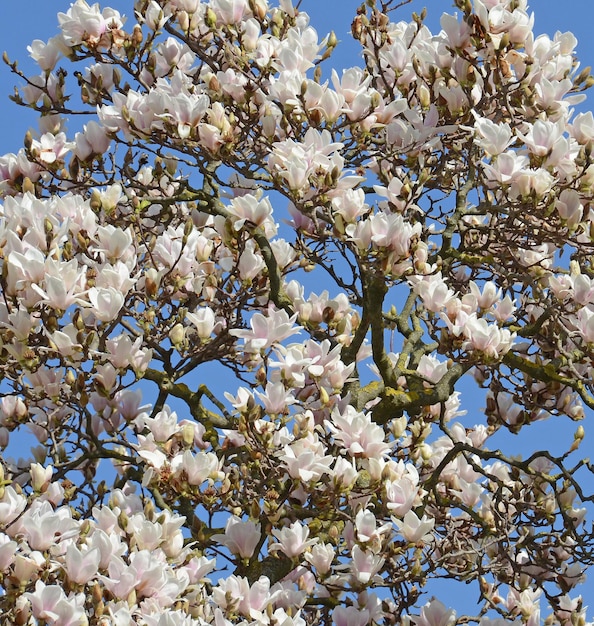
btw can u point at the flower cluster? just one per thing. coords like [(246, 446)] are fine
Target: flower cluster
[(239, 305)]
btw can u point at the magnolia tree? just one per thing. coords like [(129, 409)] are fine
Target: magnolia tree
[(237, 304)]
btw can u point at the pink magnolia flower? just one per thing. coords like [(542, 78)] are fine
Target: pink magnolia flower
[(230, 11), (81, 566), (26, 567), (345, 472), (251, 263), (350, 204), (367, 528), (431, 368), (109, 545), (415, 530), (365, 564), (434, 291), (527, 181), (251, 208), (267, 330), (43, 526), (12, 408), (203, 319), (321, 556), (487, 338), (582, 129), (197, 467), (401, 495), (230, 592), (106, 303), (570, 207), (114, 242), (49, 602), (63, 284), (457, 32), (8, 550), (498, 19), (46, 55), (25, 268), (350, 616), (198, 567), (51, 148), (92, 141), (240, 537), (492, 137), (585, 323), (542, 136), (305, 459), (154, 16), (123, 353), (40, 477), (86, 24), (276, 398), (434, 613), (506, 167), (297, 162), (292, 540), (386, 230), (526, 602), (358, 434)]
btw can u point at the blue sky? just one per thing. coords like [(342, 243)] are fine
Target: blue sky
[(25, 20)]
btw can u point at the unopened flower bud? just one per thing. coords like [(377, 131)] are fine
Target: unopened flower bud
[(137, 35), (177, 335), (210, 19), (70, 378), (28, 186), (95, 203), (424, 96), (398, 426), (151, 281), (40, 477), (577, 438), (188, 434), (123, 520), (149, 510)]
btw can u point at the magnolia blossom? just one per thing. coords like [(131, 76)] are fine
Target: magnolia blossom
[(241, 305), (365, 565), (204, 321), (92, 141), (106, 303), (49, 602), (197, 467), (240, 537), (267, 330), (357, 433), (292, 540), (415, 529), (84, 23), (304, 460), (435, 613)]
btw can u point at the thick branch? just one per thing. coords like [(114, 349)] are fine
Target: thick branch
[(191, 398), (548, 374), (394, 401)]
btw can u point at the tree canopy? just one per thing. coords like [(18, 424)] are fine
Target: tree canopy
[(240, 291)]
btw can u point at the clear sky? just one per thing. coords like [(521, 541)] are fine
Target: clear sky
[(21, 21)]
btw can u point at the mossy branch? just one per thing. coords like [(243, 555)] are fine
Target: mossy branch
[(394, 402), (191, 398)]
